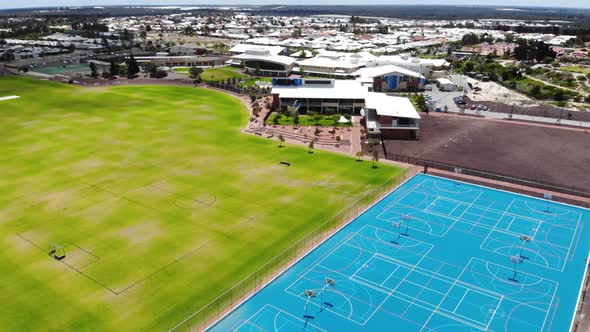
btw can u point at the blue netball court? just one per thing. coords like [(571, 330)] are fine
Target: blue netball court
[(434, 255)]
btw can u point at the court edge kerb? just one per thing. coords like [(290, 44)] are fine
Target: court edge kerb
[(334, 232), (580, 294), (506, 191), (573, 320)]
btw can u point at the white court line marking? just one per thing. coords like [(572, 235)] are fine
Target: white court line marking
[(572, 240), (559, 266), (510, 296), (391, 274), (402, 196), (420, 303), (396, 287), (443, 299), (494, 313), (453, 210), (293, 316), (489, 209), (461, 300), (431, 203)]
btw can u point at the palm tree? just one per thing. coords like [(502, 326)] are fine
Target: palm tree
[(375, 157), (359, 154)]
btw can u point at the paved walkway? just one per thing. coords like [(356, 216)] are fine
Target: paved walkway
[(523, 117)]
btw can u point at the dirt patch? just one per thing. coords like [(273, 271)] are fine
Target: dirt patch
[(551, 155), (494, 91), (140, 233)]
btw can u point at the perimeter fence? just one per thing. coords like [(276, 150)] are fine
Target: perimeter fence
[(214, 310)]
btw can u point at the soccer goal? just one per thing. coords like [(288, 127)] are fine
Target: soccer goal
[(57, 251)]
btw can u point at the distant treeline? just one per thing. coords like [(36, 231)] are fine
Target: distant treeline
[(436, 12), (439, 12)]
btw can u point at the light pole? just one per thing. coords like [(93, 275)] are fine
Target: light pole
[(328, 282), (523, 239)]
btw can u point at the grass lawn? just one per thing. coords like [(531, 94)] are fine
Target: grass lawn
[(216, 74), (525, 85), (160, 200), (306, 120), (575, 69), (251, 81)]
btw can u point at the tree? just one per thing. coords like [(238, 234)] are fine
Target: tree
[(310, 147), (149, 67), (558, 96), (359, 155), (188, 30), (317, 131), (421, 102), (132, 67), (470, 39), (296, 119), (195, 72), (114, 69), (93, 70), (281, 140), (123, 70), (375, 157)]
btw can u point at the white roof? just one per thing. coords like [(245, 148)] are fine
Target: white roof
[(242, 48), (404, 59), (391, 106), (282, 59), (342, 89), (385, 70), (444, 81), (329, 63)]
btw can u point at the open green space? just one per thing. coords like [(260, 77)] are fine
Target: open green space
[(159, 199), (575, 69), (538, 90), (216, 74)]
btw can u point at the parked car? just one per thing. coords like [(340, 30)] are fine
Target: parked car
[(460, 102), (472, 107)]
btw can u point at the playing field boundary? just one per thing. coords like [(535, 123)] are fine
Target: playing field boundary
[(217, 309)]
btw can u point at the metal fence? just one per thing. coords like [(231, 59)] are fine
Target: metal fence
[(534, 183), (530, 182), (213, 311)]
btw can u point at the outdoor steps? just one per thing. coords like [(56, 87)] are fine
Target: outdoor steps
[(288, 133)]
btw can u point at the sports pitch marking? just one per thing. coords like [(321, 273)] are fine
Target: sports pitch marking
[(450, 272)]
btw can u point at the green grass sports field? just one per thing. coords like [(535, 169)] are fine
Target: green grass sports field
[(158, 198)]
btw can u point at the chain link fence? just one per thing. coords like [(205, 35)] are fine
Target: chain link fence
[(213, 311)]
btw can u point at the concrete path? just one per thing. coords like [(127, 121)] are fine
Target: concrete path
[(523, 117)]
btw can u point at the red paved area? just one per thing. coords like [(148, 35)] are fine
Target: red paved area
[(530, 151)]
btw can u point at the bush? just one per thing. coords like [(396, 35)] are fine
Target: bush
[(159, 74)]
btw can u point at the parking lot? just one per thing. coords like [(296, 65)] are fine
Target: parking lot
[(439, 98)]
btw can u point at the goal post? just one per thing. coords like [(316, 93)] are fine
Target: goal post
[(57, 251)]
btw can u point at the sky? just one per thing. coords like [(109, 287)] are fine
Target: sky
[(52, 3)]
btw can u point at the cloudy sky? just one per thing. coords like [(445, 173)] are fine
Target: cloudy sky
[(49, 3)]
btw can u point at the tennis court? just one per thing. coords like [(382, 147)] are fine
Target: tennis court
[(434, 255)]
